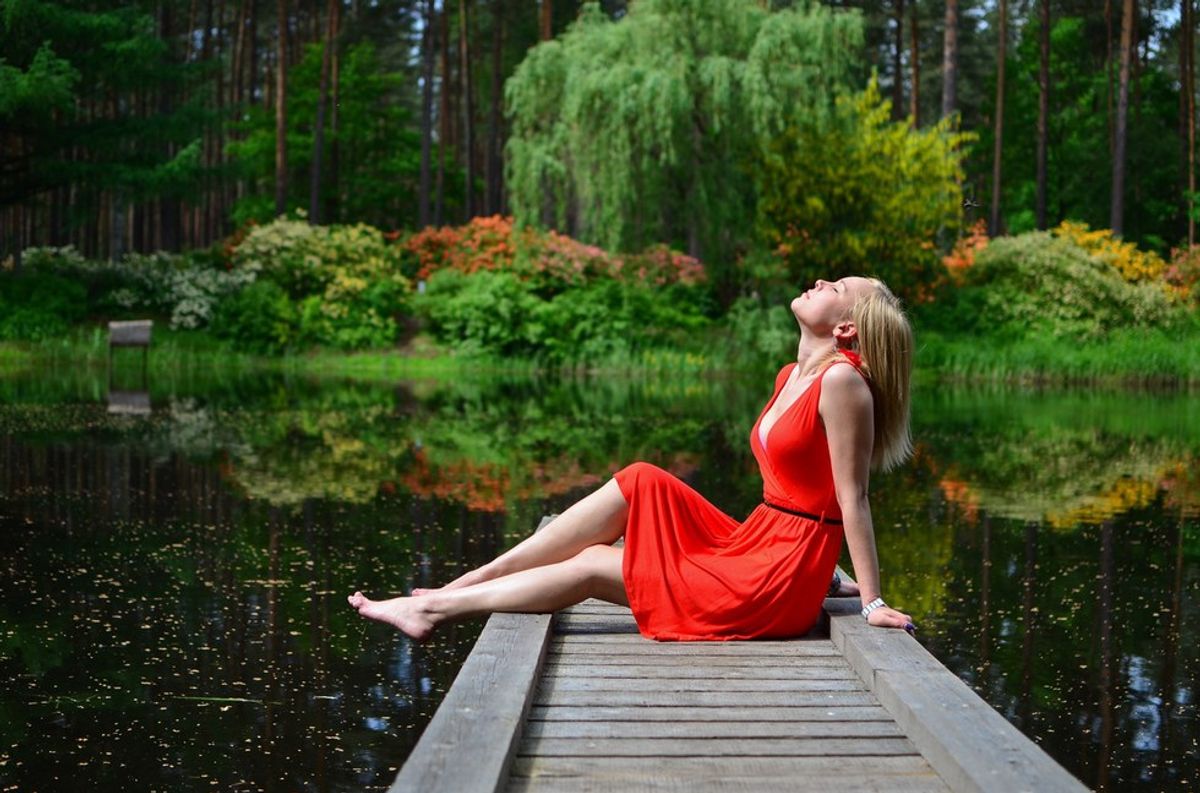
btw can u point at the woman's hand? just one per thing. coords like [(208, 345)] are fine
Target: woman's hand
[(888, 617)]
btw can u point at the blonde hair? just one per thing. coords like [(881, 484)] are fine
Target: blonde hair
[(885, 342)]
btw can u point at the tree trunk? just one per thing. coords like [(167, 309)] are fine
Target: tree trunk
[(335, 152), (495, 187), (314, 184), (546, 29), (464, 48), (950, 60), (998, 151), (1108, 68), (444, 118), (914, 104), (427, 58), (1190, 74), (1043, 111), (897, 63), (281, 111), (1117, 218)]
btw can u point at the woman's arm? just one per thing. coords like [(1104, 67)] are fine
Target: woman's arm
[(847, 410)]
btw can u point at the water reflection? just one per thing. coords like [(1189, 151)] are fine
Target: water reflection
[(172, 607)]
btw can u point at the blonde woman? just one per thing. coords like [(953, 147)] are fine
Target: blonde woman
[(687, 570)]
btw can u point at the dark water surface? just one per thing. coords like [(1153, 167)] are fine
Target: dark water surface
[(172, 582)]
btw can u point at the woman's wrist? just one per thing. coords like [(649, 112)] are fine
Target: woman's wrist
[(872, 605)]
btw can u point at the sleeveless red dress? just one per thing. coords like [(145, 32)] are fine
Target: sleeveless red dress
[(694, 573)]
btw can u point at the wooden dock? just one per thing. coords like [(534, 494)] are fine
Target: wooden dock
[(581, 702)]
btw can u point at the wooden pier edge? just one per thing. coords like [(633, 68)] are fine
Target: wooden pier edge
[(970, 745), (470, 743)]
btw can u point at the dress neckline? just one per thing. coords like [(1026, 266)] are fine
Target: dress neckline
[(852, 357)]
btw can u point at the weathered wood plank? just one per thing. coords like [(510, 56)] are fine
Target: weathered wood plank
[(871, 783), (927, 782), (608, 660), (692, 768), (130, 333), (627, 644), (966, 741), (711, 729), (743, 671), (716, 747), (703, 713), (709, 698), (483, 712), (560, 684)]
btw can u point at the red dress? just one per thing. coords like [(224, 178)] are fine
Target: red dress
[(694, 573)]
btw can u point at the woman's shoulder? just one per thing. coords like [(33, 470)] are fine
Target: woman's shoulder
[(843, 378)]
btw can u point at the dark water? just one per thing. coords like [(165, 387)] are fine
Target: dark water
[(172, 611)]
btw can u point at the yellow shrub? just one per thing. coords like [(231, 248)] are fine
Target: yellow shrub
[(1134, 265)]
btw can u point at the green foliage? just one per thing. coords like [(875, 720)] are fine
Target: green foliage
[(260, 318), (759, 334), (346, 281), (378, 149), (37, 305), (862, 195), (1037, 283), (183, 287), (648, 129), (496, 313)]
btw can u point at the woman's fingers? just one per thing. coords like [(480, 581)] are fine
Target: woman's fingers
[(890, 618)]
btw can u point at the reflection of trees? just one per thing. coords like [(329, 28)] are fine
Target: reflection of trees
[(1057, 458)]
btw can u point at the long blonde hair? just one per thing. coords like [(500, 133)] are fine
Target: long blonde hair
[(885, 342)]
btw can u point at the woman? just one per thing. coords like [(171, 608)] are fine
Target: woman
[(688, 571)]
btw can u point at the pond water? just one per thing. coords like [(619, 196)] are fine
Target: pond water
[(175, 562)]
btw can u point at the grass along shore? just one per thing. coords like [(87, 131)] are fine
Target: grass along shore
[(1124, 358)]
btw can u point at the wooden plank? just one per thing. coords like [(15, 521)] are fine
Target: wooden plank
[(711, 729), (693, 768), (638, 644), (927, 782), (969, 744), (558, 684), (709, 698), (557, 668), (716, 747), (483, 712), (704, 713), (601, 661), (130, 333)]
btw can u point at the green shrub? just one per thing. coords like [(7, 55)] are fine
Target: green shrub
[(346, 280), (38, 305), (759, 334), (260, 318), (1037, 283), (487, 312)]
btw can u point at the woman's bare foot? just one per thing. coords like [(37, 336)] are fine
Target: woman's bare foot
[(407, 614)]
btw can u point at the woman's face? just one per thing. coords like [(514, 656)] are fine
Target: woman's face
[(829, 302)]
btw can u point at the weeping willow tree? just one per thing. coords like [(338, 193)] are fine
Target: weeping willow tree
[(656, 127)]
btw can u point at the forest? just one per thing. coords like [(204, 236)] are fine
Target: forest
[(146, 148)]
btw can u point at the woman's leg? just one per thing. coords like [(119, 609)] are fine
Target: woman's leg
[(596, 519), (593, 572)]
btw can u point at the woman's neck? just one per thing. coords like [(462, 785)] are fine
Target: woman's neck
[(811, 352)]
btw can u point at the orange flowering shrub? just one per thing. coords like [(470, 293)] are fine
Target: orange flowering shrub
[(962, 257), (1183, 271), (550, 259), (1133, 264)]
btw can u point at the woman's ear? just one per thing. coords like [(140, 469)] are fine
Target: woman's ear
[(845, 333)]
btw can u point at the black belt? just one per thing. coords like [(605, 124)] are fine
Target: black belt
[(802, 514)]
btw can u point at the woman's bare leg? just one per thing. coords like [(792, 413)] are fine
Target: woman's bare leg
[(593, 572), (596, 519)]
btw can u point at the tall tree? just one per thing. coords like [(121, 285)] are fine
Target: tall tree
[(493, 166), (998, 151), (898, 62), (424, 208), (546, 21), (1043, 110), (445, 116), (281, 109), (950, 60), (464, 48), (1117, 218), (1187, 112), (315, 215), (914, 103)]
